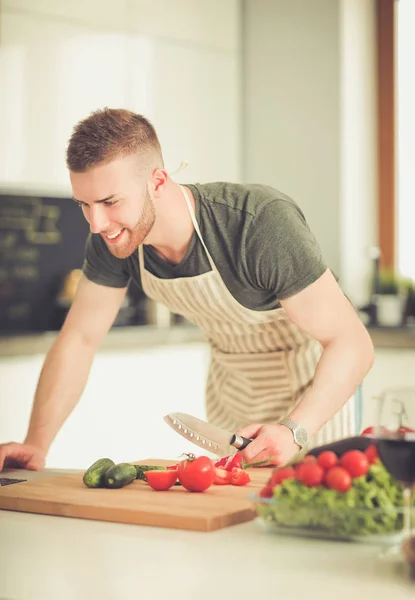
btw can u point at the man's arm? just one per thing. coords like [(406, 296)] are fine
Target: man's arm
[(66, 369), (323, 311)]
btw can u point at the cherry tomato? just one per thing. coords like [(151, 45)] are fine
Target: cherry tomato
[(311, 474), (239, 476), (355, 462), (221, 462), (337, 478), (372, 454), (327, 459), (309, 458), (267, 491), (196, 474), (298, 468), (234, 460), (222, 476), (278, 475), (368, 431), (404, 429), (161, 480)]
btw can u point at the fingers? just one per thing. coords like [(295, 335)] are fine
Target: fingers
[(6, 450), (35, 464), (260, 450), (20, 456)]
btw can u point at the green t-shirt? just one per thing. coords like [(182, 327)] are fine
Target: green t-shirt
[(258, 238)]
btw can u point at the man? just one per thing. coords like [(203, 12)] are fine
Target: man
[(238, 260)]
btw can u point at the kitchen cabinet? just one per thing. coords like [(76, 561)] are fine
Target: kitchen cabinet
[(121, 411), (54, 73), (60, 61)]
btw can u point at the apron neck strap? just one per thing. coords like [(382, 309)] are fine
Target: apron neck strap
[(196, 226)]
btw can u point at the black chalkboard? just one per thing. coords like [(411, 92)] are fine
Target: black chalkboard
[(42, 239)]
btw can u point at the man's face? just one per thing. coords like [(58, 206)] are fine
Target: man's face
[(116, 203)]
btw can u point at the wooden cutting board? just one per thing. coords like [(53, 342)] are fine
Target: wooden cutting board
[(218, 507)]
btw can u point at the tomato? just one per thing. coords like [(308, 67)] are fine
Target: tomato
[(372, 431), (337, 478), (327, 459), (222, 476), (267, 491), (372, 454), (278, 475), (234, 460), (311, 474), (196, 474), (221, 462), (309, 458), (239, 476), (161, 480), (404, 429), (355, 462), (368, 431), (298, 468)]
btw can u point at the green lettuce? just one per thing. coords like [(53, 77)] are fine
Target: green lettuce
[(373, 505)]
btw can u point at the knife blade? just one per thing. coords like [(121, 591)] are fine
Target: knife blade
[(206, 436)]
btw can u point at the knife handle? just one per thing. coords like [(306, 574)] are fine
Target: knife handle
[(240, 442)]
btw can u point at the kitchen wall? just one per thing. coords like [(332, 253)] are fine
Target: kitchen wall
[(121, 411), (176, 62), (179, 63), (310, 116)]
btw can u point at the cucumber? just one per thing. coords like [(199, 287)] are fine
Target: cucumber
[(93, 476), (140, 469), (119, 475)]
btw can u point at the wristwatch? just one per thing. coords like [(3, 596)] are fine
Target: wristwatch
[(300, 434)]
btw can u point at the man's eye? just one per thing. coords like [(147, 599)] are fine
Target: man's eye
[(109, 203), (79, 204)]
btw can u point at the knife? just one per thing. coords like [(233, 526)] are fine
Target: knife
[(207, 436)]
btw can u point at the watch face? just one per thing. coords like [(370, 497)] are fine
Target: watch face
[(301, 436)]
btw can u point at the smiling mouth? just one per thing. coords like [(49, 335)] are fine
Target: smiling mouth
[(114, 237)]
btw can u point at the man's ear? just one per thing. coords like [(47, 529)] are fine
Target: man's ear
[(158, 181)]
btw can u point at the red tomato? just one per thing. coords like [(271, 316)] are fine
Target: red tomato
[(239, 476), (222, 476), (327, 459), (267, 491), (161, 480), (278, 475), (234, 460), (338, 479), (368, 431), (355, 462), (221, 462), (371, 431), (298, 468), (372, 454), (404, 429), (311, 474), (309, 458), (196, 474)]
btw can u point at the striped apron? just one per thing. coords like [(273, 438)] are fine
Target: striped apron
[(261, 362)]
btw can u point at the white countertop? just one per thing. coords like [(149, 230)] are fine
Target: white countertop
[(58, 558)]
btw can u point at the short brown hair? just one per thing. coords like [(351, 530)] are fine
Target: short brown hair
[(110, 133)]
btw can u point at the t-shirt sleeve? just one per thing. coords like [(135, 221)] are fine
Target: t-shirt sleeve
[(101, 267), (283, 255)]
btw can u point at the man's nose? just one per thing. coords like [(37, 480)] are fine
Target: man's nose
[(98, 219)]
